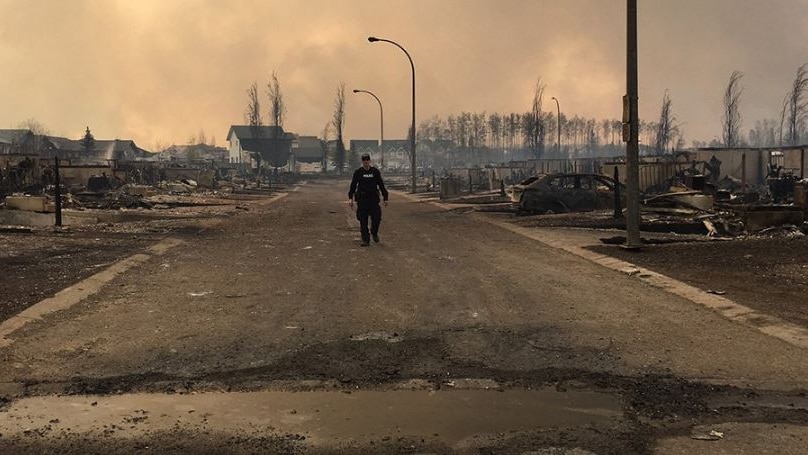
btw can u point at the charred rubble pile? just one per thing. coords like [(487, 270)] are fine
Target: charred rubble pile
[(728, 208), (106, 193)]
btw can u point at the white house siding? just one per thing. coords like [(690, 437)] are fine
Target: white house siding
[(757, 161), (235, 154), (308, 168), (396, 157)]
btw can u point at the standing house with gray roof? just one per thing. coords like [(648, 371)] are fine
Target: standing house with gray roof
[(197, 152), (47, 147), (12, 140), (23, 141), (366, 146), (100, 152), (396, 153), (307, 152), (270, 143)]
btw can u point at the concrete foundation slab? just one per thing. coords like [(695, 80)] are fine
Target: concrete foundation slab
[(28, 203), (37, 219)]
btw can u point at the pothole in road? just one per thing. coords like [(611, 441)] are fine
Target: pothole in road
[(382, 336), (770, 401), (450, 416)]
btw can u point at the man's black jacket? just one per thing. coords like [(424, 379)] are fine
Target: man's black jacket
[(366, 185)]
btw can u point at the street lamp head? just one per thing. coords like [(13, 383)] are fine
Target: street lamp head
[(553, 98), (372, 39), (356, 91)]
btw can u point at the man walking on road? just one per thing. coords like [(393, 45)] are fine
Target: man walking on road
[(365, 187)]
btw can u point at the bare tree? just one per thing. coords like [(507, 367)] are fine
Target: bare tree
[(495, 130), (577, 133), (680, 140), (592, 138), (159, 145), (39, 131), (35, 126), (277, 107), (326, 135), (732, 115), (451, 131), (795, 108), (512, 131), (338, 122), (617, 128), (463, 130), (667, 127), (764, 134), (477, 134), (533, 124), (606, 128), (253, 117)]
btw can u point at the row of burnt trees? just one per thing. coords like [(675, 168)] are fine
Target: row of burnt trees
[(473, 137), (515, 131), (476, 137), (481, 137), (277, 113), (334, 129), (791, 128), (277, 106)]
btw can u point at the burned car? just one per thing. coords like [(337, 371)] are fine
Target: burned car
[(560, 193), (515, 191)]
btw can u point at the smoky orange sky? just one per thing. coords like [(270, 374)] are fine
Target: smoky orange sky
[(161, 71)]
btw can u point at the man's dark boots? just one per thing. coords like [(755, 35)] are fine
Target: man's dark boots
[(375, 238)]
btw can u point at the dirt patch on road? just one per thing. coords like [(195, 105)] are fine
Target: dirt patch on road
[(655, 407), (178, 441)]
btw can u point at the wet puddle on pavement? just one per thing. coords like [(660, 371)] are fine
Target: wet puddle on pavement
[(449, 416)]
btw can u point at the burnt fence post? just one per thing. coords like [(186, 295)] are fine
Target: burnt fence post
[(58, 192), (618, 209)]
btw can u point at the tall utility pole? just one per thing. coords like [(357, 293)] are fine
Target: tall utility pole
[(633, 146)]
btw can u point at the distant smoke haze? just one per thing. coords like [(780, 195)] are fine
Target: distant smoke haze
[(161, 71)]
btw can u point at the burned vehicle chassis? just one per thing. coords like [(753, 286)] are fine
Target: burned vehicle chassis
[(561, 193)]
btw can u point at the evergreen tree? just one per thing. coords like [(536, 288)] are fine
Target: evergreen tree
[(88, 141)]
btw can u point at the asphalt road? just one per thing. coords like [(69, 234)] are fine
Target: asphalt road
[(451, 335)]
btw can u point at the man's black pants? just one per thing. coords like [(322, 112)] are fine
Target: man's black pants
[(372, 210)]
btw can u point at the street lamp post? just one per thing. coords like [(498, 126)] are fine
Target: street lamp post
[(381, 122), (558, 128), (373, 39)]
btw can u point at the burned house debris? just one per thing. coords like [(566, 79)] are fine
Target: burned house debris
[(561, 193), (106, 175), (728, 192), (749, 191)]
